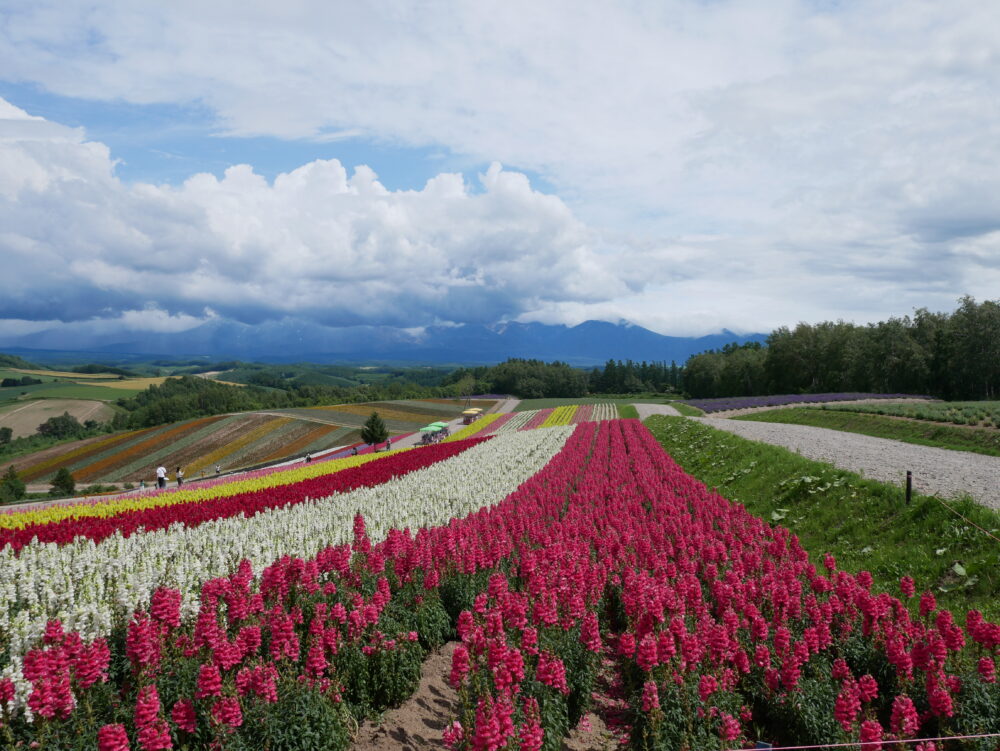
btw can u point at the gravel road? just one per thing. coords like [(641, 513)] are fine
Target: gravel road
[(645, 410), (939, 472)]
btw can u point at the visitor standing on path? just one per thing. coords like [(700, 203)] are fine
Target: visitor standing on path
[(180, 477), (161, 476)]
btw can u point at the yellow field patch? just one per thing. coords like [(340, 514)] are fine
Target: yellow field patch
[(470, 430), (131, 383)]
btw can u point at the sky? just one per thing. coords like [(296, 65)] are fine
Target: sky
[(686, 165)]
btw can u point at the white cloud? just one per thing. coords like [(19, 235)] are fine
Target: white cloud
[(318, 242), (761, 161)]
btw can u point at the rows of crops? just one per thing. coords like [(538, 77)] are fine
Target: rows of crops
[(199, 446), (724, 404), (985, 414), (279, 613), (225, 441)]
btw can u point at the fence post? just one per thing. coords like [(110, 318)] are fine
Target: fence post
[(909, 486)]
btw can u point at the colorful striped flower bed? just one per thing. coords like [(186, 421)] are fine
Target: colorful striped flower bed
[(578, 551)]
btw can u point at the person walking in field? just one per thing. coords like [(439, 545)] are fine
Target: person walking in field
[(180, 477), (161, 476)]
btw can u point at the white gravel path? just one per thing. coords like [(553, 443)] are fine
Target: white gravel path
[(645, 410), (941, 472), (507, 405)]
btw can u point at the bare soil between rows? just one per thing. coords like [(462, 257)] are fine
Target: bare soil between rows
[(419, 722)]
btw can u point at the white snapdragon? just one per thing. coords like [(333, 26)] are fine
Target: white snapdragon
[(88, 585)]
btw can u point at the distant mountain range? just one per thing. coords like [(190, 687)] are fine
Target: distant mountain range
[(589, 343)]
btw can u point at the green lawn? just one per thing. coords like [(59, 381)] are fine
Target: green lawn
[(865, 524), (978, 440), (686, 409)]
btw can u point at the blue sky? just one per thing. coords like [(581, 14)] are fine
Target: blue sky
[(684, 165), (167, 143)]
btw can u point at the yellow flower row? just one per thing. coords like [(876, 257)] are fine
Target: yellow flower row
[(560, 416), (119, 505), (470, 430)]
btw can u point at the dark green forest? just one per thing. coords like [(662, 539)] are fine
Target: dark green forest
[(948, 355), (534, 379)]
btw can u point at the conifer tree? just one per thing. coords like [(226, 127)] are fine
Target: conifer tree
[(374, 430), (11, 486), (63, 483)]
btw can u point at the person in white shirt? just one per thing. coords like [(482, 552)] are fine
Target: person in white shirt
[(161, 476)]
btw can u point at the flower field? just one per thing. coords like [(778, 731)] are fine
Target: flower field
[(279, 613), (197, 445), (229, 441)]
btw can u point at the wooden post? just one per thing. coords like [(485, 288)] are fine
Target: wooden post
[(909, 486)]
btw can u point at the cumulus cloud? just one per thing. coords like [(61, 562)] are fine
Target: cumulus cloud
[(319, 242)]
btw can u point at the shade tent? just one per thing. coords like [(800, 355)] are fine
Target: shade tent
[(429, 429), (471, 412), (438, 425)]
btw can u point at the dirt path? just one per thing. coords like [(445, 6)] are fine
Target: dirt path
[(645, 410), (506, 406), (420, 721)]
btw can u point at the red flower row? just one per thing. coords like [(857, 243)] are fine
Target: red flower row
[(248, 503)]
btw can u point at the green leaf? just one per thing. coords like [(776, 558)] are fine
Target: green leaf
[(779, 514), (959, 569)]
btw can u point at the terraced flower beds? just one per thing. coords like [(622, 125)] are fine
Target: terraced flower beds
[(550, 554), (196, 445)]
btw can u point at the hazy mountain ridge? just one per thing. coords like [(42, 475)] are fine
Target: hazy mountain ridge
[(591, 342)]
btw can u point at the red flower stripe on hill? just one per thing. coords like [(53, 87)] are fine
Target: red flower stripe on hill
[(247, 504), (497, 424), (538, 418)]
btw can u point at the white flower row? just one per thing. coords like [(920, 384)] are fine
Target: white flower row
[(88, 585), (518, 421), (604, 411)]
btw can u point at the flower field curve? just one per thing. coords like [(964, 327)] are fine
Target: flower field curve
[(719, 629), (86, 584)]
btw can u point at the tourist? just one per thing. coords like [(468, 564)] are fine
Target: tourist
[(161, 476), (180, 477)]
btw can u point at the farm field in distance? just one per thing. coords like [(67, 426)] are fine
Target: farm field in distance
[(725, 404), (958, 437), (24, 418), (984, 413)]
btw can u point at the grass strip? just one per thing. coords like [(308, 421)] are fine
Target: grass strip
[(628, 411), (686, 409), (865, 524), (977, 440)]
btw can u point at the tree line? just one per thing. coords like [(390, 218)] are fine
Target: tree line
[(535, 379), (948, 355)]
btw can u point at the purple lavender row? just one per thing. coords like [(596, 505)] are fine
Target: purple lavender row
[(779, 400)]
